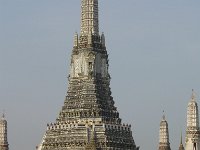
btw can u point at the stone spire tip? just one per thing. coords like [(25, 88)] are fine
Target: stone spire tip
[(163, 115), (193, 97), (3, 115), (181, 139)]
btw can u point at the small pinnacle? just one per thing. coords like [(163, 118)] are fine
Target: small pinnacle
[(181, 138), (163, 115), (3, 115), (193, 95)]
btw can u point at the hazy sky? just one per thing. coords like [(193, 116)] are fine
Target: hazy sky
[(154, 53)]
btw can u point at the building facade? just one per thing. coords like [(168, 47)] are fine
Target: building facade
[(3, 134), (88, 119), (164, 143), (192, 132)]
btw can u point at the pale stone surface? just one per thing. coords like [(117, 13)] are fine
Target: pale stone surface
[(3, 134), (164, 135), (192, 132), (89, 17), (89, 119)]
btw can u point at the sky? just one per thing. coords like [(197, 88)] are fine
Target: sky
[(154, 57)]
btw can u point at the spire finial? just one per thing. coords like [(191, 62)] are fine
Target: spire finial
[(103, 40), (181, 139), (181, 147), (163, 115), (3, 114), (193, 95)]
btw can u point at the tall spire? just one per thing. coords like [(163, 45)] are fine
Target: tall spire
[(192, 113), (164, 135), (88, 102), (192, 132), (89, 17), (3, 133)]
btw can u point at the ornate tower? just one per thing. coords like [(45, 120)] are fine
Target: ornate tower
[(192, 131), (164, 135), (88, 119), (3, 134)]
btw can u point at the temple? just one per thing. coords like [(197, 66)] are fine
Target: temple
[(89, 119)]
